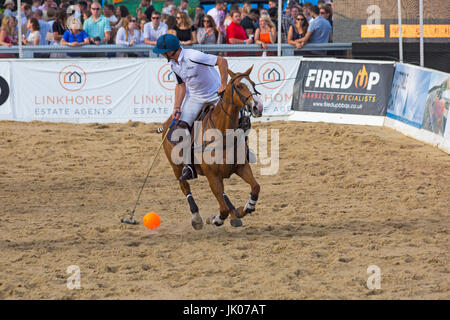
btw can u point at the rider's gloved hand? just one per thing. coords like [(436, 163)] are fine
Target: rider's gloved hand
[(176, 114)]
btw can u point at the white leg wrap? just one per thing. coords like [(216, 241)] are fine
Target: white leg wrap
[(250, 205), (217, 220)]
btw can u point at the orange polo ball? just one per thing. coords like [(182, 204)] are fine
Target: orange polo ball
[(152, 220)]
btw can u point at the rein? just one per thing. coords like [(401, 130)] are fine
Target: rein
[(242, 98)]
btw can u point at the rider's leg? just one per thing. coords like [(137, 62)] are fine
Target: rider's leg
[(189, 111)]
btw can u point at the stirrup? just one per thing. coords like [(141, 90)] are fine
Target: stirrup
[(188, 173)]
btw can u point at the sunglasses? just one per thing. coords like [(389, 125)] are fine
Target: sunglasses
[(95, 9), (178, 17), (133, 20), (155, 18), (322, 12), (205, 20), (301, 19)]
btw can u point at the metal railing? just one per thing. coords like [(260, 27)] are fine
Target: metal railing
[(286, 49)]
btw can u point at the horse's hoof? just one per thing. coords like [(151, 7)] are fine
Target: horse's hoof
[(215, 219), (197, 221), (236, 222)]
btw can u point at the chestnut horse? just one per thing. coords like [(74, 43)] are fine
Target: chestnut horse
[(238, 97)]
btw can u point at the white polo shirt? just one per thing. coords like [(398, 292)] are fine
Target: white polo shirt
[(153, 34), (197, 70)]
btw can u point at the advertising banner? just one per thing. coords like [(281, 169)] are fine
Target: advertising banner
[(89, 90), (274, 78), (343, 87), (437, 104), (126, 89), (420, 98), (5, 91), (408, 95)]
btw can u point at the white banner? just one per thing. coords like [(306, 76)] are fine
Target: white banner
[(274, 76), (107, 90), (87, 90), (5, 91)]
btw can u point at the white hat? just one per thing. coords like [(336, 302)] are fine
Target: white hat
[(8, 2)]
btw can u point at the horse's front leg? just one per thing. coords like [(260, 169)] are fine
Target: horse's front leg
[(245, 172), (196, 220), (225, 204)]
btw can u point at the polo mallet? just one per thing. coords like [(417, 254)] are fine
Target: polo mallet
[(131, 220)]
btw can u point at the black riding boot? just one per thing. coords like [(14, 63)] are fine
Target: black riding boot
[(188, 173)]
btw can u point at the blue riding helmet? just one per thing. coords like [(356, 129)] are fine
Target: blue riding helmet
[(165, 43)]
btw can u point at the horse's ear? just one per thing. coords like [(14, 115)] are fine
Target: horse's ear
[(249, 70), (231, 73)]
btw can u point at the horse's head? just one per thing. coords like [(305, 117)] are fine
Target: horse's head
[(243, 93)]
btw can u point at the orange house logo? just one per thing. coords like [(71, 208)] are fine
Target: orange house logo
[(271, 75), (72, 78), (166, 78)]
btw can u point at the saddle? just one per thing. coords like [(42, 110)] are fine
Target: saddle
[(207, 107)]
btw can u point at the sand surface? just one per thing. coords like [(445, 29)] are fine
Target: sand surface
[(345, 197)]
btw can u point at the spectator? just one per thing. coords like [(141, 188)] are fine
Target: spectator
[(59, 26), (141, 23), (74, 36), (307, 7), (199, 14), (34, 36), (36, 5), (173, 10), (108, 13), (171, 22), (249, 22), (147, 4), (235, 32), (185, 31), (51, 13), (121, 13), (295, 11), (44, 27), (263, 12), (26, 14), (266, 33), (154, 29), (45, 7), (97, 26), (83, 9), (215, 12), (319, 31), (208, 34), (167, 6), (320, 4), (128, 34), (298, 31), (327, 13), (246, 8), (184, 5), (286, 21), (228, 19), (7, 35), (9, 7)]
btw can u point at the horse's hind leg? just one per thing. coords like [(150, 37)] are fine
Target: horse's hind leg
[(245, 172)]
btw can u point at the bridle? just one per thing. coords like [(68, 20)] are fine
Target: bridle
[(246, 108)]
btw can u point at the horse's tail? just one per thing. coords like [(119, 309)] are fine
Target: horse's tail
[(160, 130)]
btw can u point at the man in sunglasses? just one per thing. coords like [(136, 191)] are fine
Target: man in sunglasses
[(97, 26), (198, 82), (154, 29)]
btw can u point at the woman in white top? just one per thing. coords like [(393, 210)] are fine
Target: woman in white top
[(34, 36), (128, 34)]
